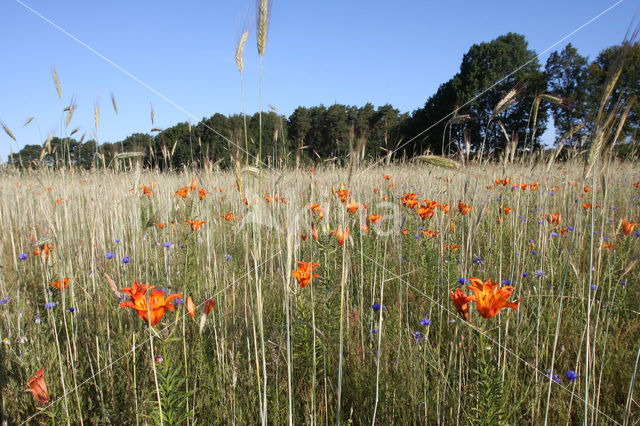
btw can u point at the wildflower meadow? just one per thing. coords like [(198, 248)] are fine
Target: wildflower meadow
[(481, 285)]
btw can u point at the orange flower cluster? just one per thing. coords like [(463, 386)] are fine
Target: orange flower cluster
[(627, 227), (315, 208), (193, 187), (304, 273), (45, 249), (150, 307), (195, 223), (503, 182), (555, 218), (60, 284), (489, 296), (409, 200), (463, 208), (230, 217)]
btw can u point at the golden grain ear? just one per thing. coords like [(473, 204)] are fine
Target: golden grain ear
[(264, 11)]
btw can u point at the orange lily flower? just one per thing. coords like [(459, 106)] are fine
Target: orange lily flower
[(461, 302), (463, 208), (156, 307), (404, 231), (146, 190), (506, 210), (208, 306), (554, 218), (386, 177), (341, 236), (304, 237), (229, 217), (490, 297), (409, 200), (607, 245), (314, 232), (60, 284), (425, 212), (343, 194), (193, 185), (195, 223), (452, 247), (352, 207), (44, 249), (500, 220), (586, 206), (191, 309), (161, 225), (430, 233), (627, 227), (444, 207), (304, 273), (373, 218), (182, 192), (202, 193), (365, 228), (38, 388)]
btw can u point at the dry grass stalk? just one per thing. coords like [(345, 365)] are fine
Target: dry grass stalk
[(113, 102), (28, 121), (152, 116), (7, 131), (70, 110), (46, 148), (96, 115), (240, 51), (436, 160), (264, 11), (505, 102), (56, 81)]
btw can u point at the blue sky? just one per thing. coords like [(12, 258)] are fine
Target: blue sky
[(349, 52)]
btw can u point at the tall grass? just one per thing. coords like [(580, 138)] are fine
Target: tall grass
[(319, 352)]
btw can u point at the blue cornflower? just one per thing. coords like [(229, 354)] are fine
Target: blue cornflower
[(376, 307), (71, 310), (623, 283), (181, 246), (571, 375), (637, 234), (374, 331), (570, 228), (594, 287), (126, 259), (167, 244), (525, 274), (36, 317), (425, 321), (533, 252), (50, 305), (4, 301), (117, 240), (554, 234), (23, 256), (463, 281), (554, 377), (506, 282), (540, 273), (227, 257), (110, 255), (418, 336)]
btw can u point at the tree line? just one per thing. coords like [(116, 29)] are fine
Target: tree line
[(501, 98)]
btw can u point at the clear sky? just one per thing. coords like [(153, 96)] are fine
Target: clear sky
[(318, 52)]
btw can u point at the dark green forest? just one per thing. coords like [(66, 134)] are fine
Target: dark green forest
[(501, 92)]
